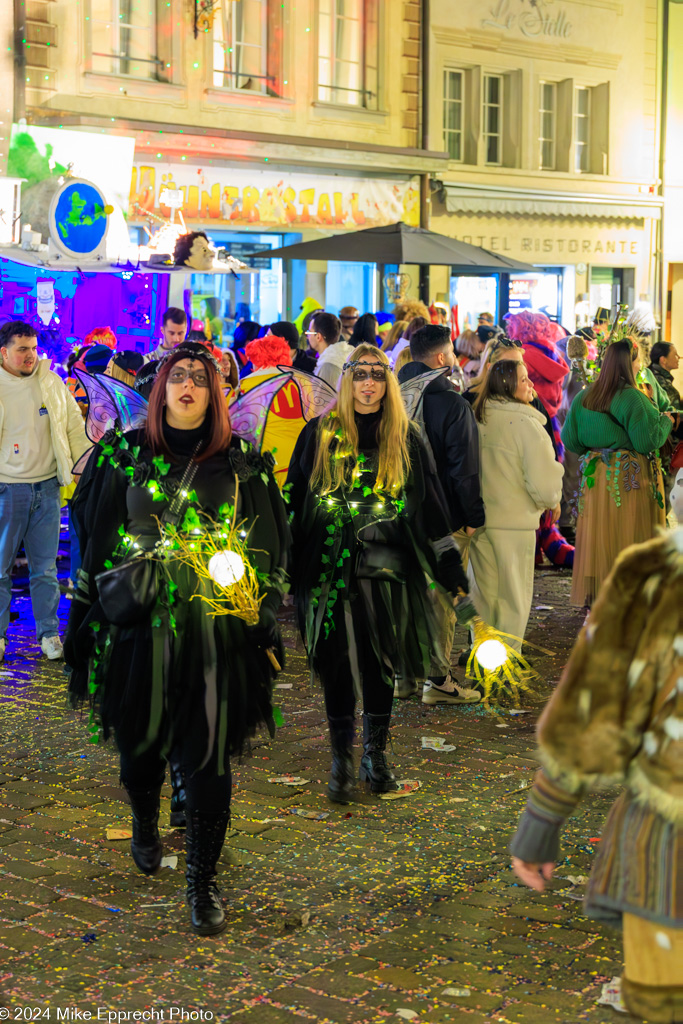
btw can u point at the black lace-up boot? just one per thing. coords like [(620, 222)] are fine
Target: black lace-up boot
[(342, 777), (145, 845), (374, 769), (177, 818), (203, 843)]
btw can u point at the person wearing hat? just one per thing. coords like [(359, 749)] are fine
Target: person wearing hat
[(97, 359), (348, 316), (601, 323), (123, 366)]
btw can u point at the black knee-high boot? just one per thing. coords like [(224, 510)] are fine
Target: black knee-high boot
[(177, 817), (145, 845), (373, 765), (203, 843), (342, 777)]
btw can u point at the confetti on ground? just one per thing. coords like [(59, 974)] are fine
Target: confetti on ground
[(283, 686), (302, 812), (169, 862), (289, 780), (436, 743), (406, 787), (407, 1014), (457, 992)]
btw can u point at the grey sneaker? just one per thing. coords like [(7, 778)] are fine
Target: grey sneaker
[(51, 646), (449, 693)]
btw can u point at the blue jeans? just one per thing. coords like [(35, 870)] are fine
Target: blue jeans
[(30, 512)]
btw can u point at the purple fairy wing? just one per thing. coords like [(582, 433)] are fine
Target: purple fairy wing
[(316, 395), (131, 407), (82, 462), (249, 411), (412, 391), (102, 411)]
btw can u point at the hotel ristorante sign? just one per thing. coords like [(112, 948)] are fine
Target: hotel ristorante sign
[(539, 18)]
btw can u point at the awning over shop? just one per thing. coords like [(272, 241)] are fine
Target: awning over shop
[(474, 199)]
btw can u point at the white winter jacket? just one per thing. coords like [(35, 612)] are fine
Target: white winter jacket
[(66, 423), (519, 474)]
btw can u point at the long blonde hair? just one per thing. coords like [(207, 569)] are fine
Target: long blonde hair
[(395, 332), (336, 463)]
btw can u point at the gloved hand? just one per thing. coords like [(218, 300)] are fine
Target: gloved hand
[(266, 632), (450, 572)]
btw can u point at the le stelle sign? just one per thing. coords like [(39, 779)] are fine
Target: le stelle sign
[(240, 198)]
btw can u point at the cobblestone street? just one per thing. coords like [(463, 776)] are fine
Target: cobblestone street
[(380, 911)]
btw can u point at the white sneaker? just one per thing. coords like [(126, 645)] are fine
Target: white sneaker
[(51, 646), (2, 648), (449, 693)]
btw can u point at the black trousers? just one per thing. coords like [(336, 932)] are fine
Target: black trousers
[(205, 790), (334, 667)]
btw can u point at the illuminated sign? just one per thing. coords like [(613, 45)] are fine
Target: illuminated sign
[(229, 197)]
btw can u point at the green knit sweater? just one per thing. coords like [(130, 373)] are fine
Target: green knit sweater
[(639, 427)]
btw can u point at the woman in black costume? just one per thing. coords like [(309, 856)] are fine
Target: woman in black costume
[(371, 536), (179, 684)]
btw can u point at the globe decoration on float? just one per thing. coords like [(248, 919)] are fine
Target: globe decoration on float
[(79, 219)]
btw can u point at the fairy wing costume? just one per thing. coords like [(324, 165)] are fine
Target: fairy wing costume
[(181, 670)]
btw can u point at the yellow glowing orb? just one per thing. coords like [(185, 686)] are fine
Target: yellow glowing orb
[(226, 568), (491, 654)]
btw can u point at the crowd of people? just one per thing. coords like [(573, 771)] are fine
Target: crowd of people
[(409, 476)]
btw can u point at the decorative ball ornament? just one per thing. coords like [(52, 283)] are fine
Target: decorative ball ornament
[(491, 655), (226, 568)]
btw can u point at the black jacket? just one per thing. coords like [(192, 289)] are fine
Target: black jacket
[(452, 433)]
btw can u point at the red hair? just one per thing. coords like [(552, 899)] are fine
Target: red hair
[(101, 336), (268, 351), (221, 430)]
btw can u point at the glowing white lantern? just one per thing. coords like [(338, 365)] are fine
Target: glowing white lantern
[(491, 654), (226, 568)]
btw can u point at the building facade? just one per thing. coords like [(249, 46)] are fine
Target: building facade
[(550, 115), (264, 122), (532, 128)]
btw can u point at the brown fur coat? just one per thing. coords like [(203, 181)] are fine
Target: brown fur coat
[(617, 715)]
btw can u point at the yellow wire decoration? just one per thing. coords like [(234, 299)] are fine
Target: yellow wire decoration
[(227, 582), (501, 671)]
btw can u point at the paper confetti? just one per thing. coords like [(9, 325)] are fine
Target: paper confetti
[(456, 992), (169, 862), (288, 780), (405, 788), (436, 743), (119, 833), (611, 996), (302, 812)]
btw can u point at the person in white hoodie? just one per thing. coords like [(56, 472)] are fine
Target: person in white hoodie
[(41, 437), (519, 479)]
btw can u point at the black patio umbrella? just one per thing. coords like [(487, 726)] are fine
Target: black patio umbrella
[(399, 243)]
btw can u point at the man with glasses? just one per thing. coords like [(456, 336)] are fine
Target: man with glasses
[(348, 316), (324, 337)]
